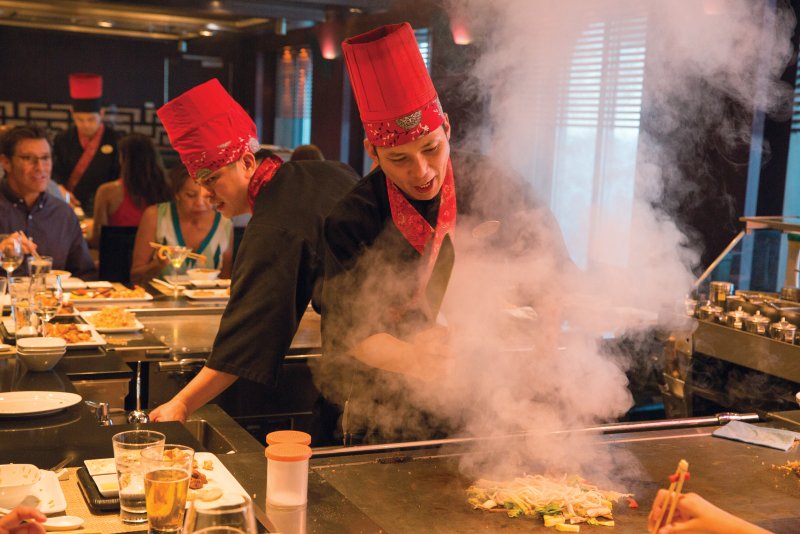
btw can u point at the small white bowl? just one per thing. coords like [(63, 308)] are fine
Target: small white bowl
[(41, 361), (50, 279), (41, 343), (202, 273), (16, 481)]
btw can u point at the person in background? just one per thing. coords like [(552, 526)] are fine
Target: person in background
[(23, 520), (279, 263), (142, 183), (307, 152), (695, 515), (190, 221), (49, 225), (86, 153)]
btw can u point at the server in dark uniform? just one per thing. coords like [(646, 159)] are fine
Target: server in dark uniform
[(279, 264), (86, 154)]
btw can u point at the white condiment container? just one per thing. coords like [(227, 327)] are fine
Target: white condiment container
[(287, 474)]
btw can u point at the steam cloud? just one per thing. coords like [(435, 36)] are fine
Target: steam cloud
[(519, 370)]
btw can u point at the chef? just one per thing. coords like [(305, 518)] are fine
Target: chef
[(280, 260), (86, 154), (391, 240)]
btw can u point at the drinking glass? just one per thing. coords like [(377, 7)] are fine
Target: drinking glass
[(45, 302), (10, 253), (26, 322), (128, 447), (167, 469), (40, 266), (176, 256), (232, 515), (19, 288)]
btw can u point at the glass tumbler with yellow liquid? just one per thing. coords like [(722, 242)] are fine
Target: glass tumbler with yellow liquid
[(166, 483)]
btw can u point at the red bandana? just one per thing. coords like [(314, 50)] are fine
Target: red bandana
[(264, 173), (416, 229)]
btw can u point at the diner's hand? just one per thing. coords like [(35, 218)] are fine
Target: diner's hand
[(28, 246), (173, 410), (694, 514), (13, 522), (434, 358)]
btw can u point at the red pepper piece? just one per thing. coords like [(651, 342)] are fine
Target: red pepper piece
[(675, 477), (632, 503)]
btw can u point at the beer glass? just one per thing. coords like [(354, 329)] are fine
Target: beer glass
[(167, 470)]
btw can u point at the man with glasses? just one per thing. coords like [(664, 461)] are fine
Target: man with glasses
[(44, 223)]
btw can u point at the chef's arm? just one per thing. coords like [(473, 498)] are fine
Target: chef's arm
[(205, 386), (426, 357)]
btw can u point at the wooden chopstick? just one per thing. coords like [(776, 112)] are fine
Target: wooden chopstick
[(35, 254), (198, 257), (673, 493)]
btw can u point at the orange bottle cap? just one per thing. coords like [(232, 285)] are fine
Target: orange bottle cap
[(288, 452), (288, 436)]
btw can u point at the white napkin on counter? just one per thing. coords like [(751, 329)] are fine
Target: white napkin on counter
[(775, 438)]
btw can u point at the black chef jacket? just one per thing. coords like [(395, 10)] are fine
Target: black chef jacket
[(104, 167), (277, 267), (371, 273)]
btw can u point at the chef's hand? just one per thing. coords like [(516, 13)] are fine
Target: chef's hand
[(173, 410), (694, 514), (13, 522), (433, 357), (28, 246)]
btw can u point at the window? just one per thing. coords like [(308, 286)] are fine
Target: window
[(598, 116), (293, 113)]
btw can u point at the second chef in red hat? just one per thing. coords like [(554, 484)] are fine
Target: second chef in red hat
[(279, 261), (390, 241), (86, 154)]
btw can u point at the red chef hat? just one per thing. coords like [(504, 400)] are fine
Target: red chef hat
[(393, 90), (86, 90), (208, 128)]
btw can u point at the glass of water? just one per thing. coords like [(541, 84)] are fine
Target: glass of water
[(128, 447)]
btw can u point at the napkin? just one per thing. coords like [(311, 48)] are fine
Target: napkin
[(775, 438)]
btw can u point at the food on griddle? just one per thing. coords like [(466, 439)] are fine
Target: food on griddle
[(109, 293), (70, 333), (790, 467), (562, 502)]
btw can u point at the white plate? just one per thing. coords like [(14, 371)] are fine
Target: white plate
[(95, 341), (77, 301), (207, 294), (36, 402), (99, 284), (48, 489), (218, 476), (101, 466), (108, 330)]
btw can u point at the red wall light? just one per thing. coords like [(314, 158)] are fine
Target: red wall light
[(460, 30), (329, 35)]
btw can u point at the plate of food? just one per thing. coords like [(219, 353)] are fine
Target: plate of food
[(77, 336), (113, 320), (207, 294), (210, 482), (110, 294)]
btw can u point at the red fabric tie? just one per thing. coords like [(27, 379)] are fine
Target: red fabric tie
[(90, 147), (264, 173), (416, 230)]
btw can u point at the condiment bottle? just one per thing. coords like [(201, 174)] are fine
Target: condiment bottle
[(783, 331), (287, 474), (288, 436)]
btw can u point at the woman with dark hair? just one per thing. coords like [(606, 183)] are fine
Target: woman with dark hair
[(141, 183), (189, 221)]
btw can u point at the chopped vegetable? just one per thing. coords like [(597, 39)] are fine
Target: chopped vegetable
[(632, 503), (568, 528), (563, 501)]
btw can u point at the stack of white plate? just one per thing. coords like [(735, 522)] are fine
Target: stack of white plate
[(41, 353)]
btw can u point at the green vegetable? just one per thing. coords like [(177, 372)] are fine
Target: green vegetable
[(550, 509)]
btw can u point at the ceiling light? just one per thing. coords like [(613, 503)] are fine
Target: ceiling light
[(212, 26), (105, 24), (206, 33), (356, 10)]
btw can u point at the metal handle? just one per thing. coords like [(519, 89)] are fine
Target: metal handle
[(102, 412), (184, 364)]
